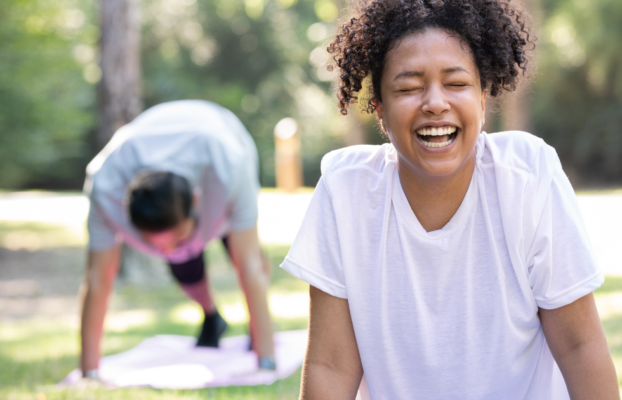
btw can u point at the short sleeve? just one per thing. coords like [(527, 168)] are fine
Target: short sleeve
[(561, 263), (101, 236), (315, 255)]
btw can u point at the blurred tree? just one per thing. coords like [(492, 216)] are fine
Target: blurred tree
[(265, 60), (44, 99), (516, 114), (577, 100), (119, 98), (360, 127)]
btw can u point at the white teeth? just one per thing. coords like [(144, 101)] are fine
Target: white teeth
[(434, 145), (429, 131)]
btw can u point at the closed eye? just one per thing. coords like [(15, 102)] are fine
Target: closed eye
[(409, 89)]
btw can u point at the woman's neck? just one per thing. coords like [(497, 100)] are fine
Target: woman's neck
[(435, 199)]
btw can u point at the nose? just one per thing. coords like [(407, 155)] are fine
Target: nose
[(434, 101)]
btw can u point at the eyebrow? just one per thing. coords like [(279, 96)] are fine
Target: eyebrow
[(410, 74), (454, 69)]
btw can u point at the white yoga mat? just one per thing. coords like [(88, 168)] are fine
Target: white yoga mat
[(173, 362)]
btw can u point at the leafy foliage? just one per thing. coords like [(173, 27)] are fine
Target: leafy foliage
[(265, 60), (252, 57), (578, 94), (44, 100)]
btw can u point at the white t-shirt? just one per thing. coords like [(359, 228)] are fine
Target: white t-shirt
[(453, 313), (201, 141)]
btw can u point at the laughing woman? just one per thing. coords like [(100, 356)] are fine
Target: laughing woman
[(450, 263)]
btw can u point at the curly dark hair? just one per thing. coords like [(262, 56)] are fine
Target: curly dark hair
[(497, 31)]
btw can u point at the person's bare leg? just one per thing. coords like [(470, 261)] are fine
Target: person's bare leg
[(202, 294)]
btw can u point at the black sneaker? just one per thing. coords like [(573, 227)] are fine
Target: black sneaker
[(213, 328)]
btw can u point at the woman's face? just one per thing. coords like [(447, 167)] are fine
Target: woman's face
[(169, 240), (432, 104)]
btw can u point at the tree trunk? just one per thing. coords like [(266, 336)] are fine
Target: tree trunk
[(119, 96), (515, 113), (119, 89)]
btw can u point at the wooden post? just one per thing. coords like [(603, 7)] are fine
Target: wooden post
[(119, 93), (288, 163)]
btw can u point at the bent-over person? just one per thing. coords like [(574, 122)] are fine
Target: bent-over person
[(180, 175)]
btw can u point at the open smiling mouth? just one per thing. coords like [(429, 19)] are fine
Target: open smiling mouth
[(435, 138)]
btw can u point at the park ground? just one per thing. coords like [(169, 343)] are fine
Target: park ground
[(42, 259)]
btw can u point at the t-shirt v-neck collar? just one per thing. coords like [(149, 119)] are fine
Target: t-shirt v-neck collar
[(405, 212)]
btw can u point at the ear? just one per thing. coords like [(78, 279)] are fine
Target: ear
[(484, 96), (380, 115)]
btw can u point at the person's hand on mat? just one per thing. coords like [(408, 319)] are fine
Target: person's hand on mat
[(90, 380), (267, 363), (93, 384)]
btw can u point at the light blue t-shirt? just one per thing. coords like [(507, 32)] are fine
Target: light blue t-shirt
[(201, 141)]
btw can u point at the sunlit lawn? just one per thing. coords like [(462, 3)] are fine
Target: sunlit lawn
[(36, 353)]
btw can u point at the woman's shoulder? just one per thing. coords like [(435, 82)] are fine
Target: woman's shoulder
[(519, 150), (373, 158), (358, 169)]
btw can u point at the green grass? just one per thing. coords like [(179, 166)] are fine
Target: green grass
[(37, 353)]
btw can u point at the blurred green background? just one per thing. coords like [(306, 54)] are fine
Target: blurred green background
[(265, 60)]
